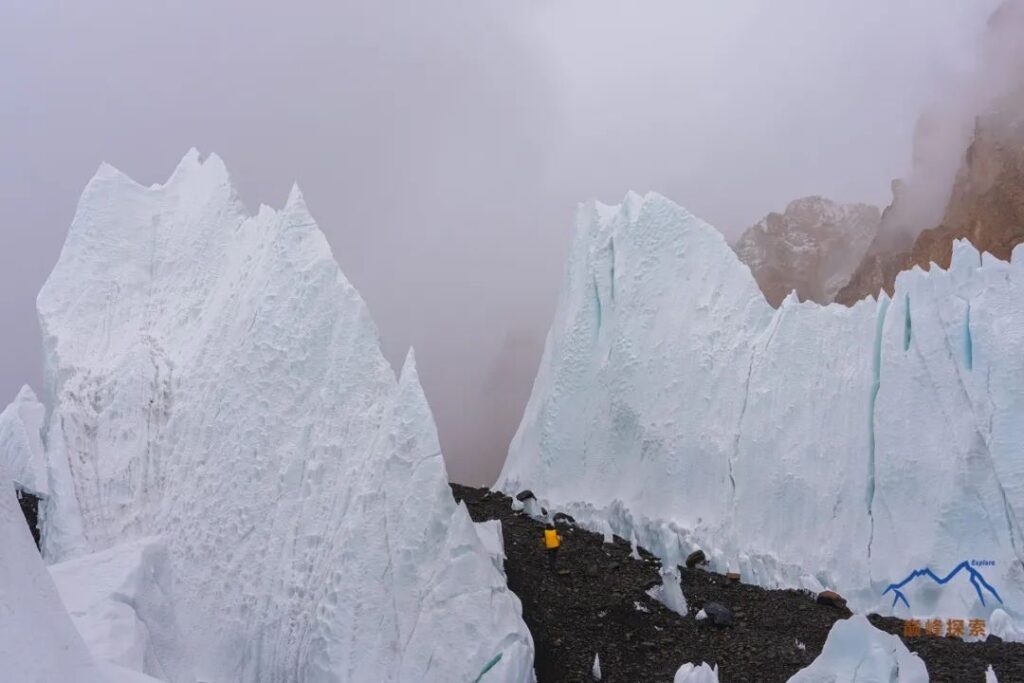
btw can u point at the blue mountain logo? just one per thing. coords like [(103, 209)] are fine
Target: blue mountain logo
[(977, 580)]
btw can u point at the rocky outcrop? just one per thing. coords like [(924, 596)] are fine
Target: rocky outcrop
[(984, 199), (813, 247), (986, 207)]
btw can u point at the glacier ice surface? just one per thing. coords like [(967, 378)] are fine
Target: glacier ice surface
[(493, 540), (808, 446), (857, 652), (692, 673), (38, 642), (119, 599), (212, 379), (21, 442)]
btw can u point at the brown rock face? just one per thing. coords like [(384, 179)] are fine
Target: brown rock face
[(813, 247), (986, 203), (986, 207)]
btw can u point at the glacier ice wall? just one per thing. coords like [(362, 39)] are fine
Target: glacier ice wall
[(806, 446), (21, 442), (214, 380)]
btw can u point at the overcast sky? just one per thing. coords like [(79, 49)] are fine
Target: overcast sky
[(442, 144)]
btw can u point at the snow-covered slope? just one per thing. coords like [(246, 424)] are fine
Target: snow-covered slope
[(21, 442), (806, 446), (214, 380)]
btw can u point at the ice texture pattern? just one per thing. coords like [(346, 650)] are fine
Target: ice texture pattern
[(693, 673), (808, 446), (119, 599), (21, 443), (857, 652), (38, 642), (213, 380)]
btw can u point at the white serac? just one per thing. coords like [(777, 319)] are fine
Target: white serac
[(215, 381)]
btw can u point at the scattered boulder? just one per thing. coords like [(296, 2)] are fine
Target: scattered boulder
[(562, 518), (734, 577), (718, 614), (526, 495), (696, 558), (832, 599)]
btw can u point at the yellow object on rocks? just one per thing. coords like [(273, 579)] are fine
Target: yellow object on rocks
[(551, 539)]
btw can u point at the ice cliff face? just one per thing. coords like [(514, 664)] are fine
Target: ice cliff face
[(214, 380), (806, 446), (813, 247)]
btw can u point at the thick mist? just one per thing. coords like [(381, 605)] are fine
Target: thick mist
[(443, 146)]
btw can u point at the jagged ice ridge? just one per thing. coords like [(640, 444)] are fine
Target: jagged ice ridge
[(215, 392)]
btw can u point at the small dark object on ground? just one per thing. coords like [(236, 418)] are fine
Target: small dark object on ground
[(734, 577), (561, 517), (832, 599), (524, 496), (697, 557), (718, 614)]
